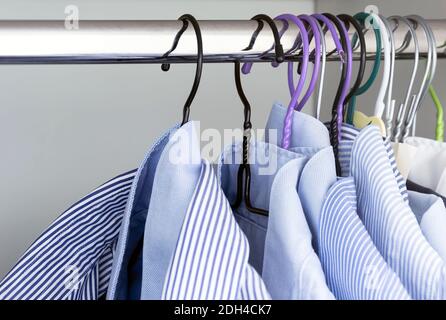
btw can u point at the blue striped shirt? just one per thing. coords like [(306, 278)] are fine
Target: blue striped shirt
[(349, 134), (389, 219), (211, 258), (337, 243), (72, 259), (189, 244), (353, 266)]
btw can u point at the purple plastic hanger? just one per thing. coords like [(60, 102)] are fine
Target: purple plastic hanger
[(349, 63), (303, 38), (334, 33), (317, 36), (286, 136), (317, 62), (286, 139)]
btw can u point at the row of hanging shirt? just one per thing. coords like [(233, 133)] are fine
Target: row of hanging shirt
[(333, 220)]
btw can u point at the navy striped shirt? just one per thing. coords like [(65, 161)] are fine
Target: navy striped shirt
[(72, 259), (211, 258)]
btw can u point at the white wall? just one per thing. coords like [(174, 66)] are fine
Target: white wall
[(66, 129), (429, 9)]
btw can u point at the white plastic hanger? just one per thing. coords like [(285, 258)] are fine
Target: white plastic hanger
[(380, 105), (390, 103), (322, 72)]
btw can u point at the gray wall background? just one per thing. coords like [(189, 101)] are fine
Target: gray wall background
[(66, 129)]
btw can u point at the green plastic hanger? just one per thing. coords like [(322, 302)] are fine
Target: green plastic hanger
[(439, 129), (361, 17)]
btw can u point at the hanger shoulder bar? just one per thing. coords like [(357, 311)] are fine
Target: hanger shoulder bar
[(120, 41)]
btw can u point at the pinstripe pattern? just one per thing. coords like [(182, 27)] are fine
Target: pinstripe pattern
[(252, 286), (389, 220), (83, 238), (211, 258), (349, 134), (354, 268)]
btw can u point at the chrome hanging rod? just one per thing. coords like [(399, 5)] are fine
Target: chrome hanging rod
[(50, 42)]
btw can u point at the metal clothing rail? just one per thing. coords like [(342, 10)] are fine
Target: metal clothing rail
[(50, 42)]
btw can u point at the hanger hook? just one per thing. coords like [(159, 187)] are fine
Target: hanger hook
[(411, 35), (346, 59), (186, 18), (278, 48), (314, 32), (295, 92), (362, 17), (428, 75), (244, 171), (349, 20)]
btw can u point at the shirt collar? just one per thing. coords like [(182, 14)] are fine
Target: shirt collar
[(185, 193), (137, 201), (349, 135), (307, 130), (431, 215), (310, 136), (288, 245), (176, 178), (421, 204)]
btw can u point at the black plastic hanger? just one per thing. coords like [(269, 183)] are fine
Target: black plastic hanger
[(278, 49), (347, 19), (244, 171), (334, 114), (186, 18)]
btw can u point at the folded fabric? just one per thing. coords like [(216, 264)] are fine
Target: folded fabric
[(431, 215), (354, 267), (429, 164), (412, 186), (388, 218)]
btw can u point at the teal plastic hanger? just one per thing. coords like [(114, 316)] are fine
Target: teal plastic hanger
[(439, 129), (361, 17)]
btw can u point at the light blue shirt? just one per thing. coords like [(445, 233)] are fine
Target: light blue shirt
[(126, 275), (280, 244), (431, 215), (309, 137)]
